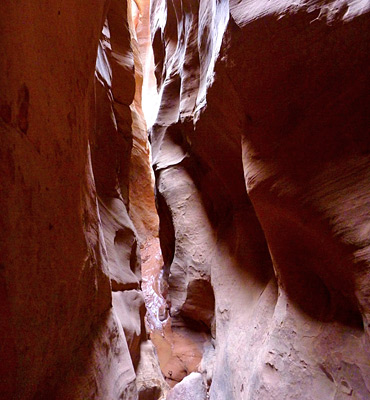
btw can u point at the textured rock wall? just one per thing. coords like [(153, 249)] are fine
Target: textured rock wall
[(67, 240), (142, 205), (120, 155), (263, 193)]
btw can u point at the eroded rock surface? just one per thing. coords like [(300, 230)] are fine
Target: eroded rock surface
[(263, 193), (190, 388), (126, 198), (67, 234), (150, 382)]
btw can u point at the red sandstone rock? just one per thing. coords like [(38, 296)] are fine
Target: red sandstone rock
[(286, 118), (55, 283), (142, 206), (66, 237), (126, 198), (179, 349)]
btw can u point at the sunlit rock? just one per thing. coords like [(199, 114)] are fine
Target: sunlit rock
[(262, 190)]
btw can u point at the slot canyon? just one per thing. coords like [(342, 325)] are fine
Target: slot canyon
[(185, 200)]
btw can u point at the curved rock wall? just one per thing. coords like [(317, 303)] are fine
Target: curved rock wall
[(67, 237), (263, 193), (120, 154), (142, 205)]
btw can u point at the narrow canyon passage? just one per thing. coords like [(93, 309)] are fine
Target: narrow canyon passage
[(185, 192)]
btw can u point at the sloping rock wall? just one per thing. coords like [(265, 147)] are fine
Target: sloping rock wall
[(263, 193), (120, 158)]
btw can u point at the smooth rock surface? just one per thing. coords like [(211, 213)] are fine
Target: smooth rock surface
[(126, 200), (142, 209), (55, 290), (67, 238), (263, 192), (261, 156)]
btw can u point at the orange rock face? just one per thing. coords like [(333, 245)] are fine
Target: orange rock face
[(262, 194), (67, 239), (55, 286), (125, 186), (142, 206)]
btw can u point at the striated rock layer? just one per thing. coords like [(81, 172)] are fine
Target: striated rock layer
[(263, 194)]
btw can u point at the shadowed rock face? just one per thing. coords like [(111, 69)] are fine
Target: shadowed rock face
[(67, 237), (265, 197), (55, 290)]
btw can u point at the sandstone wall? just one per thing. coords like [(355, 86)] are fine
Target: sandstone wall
[(120, 155), (263, 193), (67, 240), (55, 286)]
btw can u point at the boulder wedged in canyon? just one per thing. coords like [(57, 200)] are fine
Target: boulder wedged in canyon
[(264, 192), (190, 388), (150, 382)]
